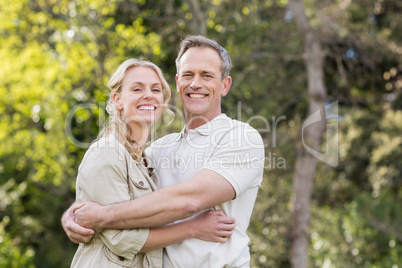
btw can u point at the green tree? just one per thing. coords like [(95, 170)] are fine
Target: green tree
[(57, 56)]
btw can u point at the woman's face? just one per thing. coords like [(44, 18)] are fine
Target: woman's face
[(141, 96)]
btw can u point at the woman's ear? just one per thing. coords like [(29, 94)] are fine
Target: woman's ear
[(117, 101)]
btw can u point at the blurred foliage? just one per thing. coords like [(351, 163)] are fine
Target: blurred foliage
[(57, 56)]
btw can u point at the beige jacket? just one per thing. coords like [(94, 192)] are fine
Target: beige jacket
[(107, 175)]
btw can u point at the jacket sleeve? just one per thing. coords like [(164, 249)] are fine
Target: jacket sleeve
[(102, 178)]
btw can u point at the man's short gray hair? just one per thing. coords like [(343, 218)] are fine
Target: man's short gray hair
[(202, 41)]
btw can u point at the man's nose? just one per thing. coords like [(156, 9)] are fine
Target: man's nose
[(196, 83)]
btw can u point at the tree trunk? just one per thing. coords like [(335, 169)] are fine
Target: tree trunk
[(311, 137), (198, 24)]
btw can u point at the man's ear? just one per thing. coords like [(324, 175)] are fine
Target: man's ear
[(117, 101), (227, 83)]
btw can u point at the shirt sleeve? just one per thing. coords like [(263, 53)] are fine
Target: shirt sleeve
[(239, 158), (102, 178)]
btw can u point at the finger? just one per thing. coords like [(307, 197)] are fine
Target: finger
[(79, 234), (77, 207), (83, 231), (225, 229), (222, 239), (227, 220), (226, 234), (216, 213), (76, 238), (229, 227), (78, 229)]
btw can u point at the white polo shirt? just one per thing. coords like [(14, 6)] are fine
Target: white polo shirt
[(235, 151)]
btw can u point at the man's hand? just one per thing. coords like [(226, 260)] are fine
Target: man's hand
[(89, 215), (74, 231)]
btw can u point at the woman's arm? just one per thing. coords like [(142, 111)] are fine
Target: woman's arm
[(212, 225), (102, 178)]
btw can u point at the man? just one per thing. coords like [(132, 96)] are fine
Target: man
[(214, 162)]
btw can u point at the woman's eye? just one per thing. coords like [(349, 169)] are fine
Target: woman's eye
[(156, 90), (136, 89)]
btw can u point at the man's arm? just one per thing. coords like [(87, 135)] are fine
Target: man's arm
[(204, 190), (211, 226)]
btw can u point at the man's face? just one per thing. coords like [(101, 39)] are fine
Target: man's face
[(200, 84)]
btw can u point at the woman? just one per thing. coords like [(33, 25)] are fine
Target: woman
[(114, 169)]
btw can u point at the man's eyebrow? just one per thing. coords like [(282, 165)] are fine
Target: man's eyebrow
[(186, 71), (202, 72), (207, 72)]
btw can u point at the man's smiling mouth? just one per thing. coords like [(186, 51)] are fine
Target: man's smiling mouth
[(197, 96)]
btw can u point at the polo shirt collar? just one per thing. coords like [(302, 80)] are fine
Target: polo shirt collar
[(203, 130)]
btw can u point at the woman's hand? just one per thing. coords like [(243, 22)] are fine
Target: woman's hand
[(74, 231), (90, 216), (213, 226)]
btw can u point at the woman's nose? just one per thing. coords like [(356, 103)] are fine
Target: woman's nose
[(148, 94)]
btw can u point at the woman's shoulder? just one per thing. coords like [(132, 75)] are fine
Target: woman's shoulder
[(107, 146), (109, 141)]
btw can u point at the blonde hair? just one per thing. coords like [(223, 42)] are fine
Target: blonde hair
[(116, 124)]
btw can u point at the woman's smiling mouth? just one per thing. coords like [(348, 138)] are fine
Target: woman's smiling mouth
[(147, 107)]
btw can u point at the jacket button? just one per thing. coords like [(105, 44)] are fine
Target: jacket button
[(122, 258), (141, 183)]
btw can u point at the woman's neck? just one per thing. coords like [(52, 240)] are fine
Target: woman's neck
[(139, 134)]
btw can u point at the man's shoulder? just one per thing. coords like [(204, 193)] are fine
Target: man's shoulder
[(163, 142), (238, 130), (234, 124), (224, 120), (166, 139)]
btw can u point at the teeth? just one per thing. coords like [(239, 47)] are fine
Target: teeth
[(146, 108), (197, 96)]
